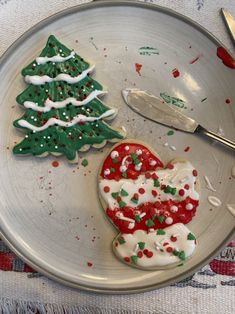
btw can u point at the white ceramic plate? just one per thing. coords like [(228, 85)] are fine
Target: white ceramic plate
[(51, 217)]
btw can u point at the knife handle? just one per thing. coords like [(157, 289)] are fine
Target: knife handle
[(201, 130)]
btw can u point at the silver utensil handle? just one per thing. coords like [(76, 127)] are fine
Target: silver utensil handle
[(215, 136)]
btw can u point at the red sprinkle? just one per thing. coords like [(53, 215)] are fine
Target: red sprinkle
[(187, 149), (169, 249), (165, 243), (141, 191), (170, 166), (55, 164), (157, 204), (127, 259), (106, 189), (116, 244), (181, 192), (154, 193), (89, 264), (195, 173), (140, 254), (136, 196), (154, 176), (228, 101), (147, 175), (175, 73), (173, 239), (186, 187), (119, 199), (149, 254), (138, 68), (145, 251)]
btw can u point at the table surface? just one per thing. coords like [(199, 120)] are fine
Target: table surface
[(210, 290)]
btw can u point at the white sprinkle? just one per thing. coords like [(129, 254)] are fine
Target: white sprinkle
[(44, 137), (60, 50), (137, 212), (166, 144), (106, 172), (56, 147), (65, 70), (48, 137), (174, 209), (26, 136), (64, 113), (34, 131), (114, 154), (32, 117), (123, 168), (138, 152), (233, 172), (136, 248), (53, 63), (69, 133), (151, 230), (41, 145), (142, 215), (20, 149), (189, 206), (172, 147), (34, 64), (138, 167), (169, 220), (97, 125), (131, 225), (126, 147), (67, 117), (209, 185), (46, 90), (80, 137), (152, 162), (231, 208), (61, 93), (35, 119), (215, 201)]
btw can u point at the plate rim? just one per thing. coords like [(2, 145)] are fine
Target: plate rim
[(19, 41)]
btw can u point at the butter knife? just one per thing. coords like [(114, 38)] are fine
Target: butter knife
[(155, 109), (230, 23)]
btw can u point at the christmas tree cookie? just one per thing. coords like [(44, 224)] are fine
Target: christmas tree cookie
[(64, 113), (150, 205)]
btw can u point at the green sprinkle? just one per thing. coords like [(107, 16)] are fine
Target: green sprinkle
[(134, 259), (124, 175), (191, 236), (150, 223), (124, 193), (204, 99), (115, 160), (134, 156), (141, 245), (114, 195), (122, 204), (171, 132), (137, 218), (173, 191), (160, 232), (175, 252), (160, 219), (121, 240), (134, 200), (136, 161), (182, 256), (156, 183), (161, 250), (84, 162), (182, 264), (112, 170), (167, 189)]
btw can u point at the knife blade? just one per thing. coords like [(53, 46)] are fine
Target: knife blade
[(157, 110), (230, 22)]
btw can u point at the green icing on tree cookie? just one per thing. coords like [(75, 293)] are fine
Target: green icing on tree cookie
[(53, 100)]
